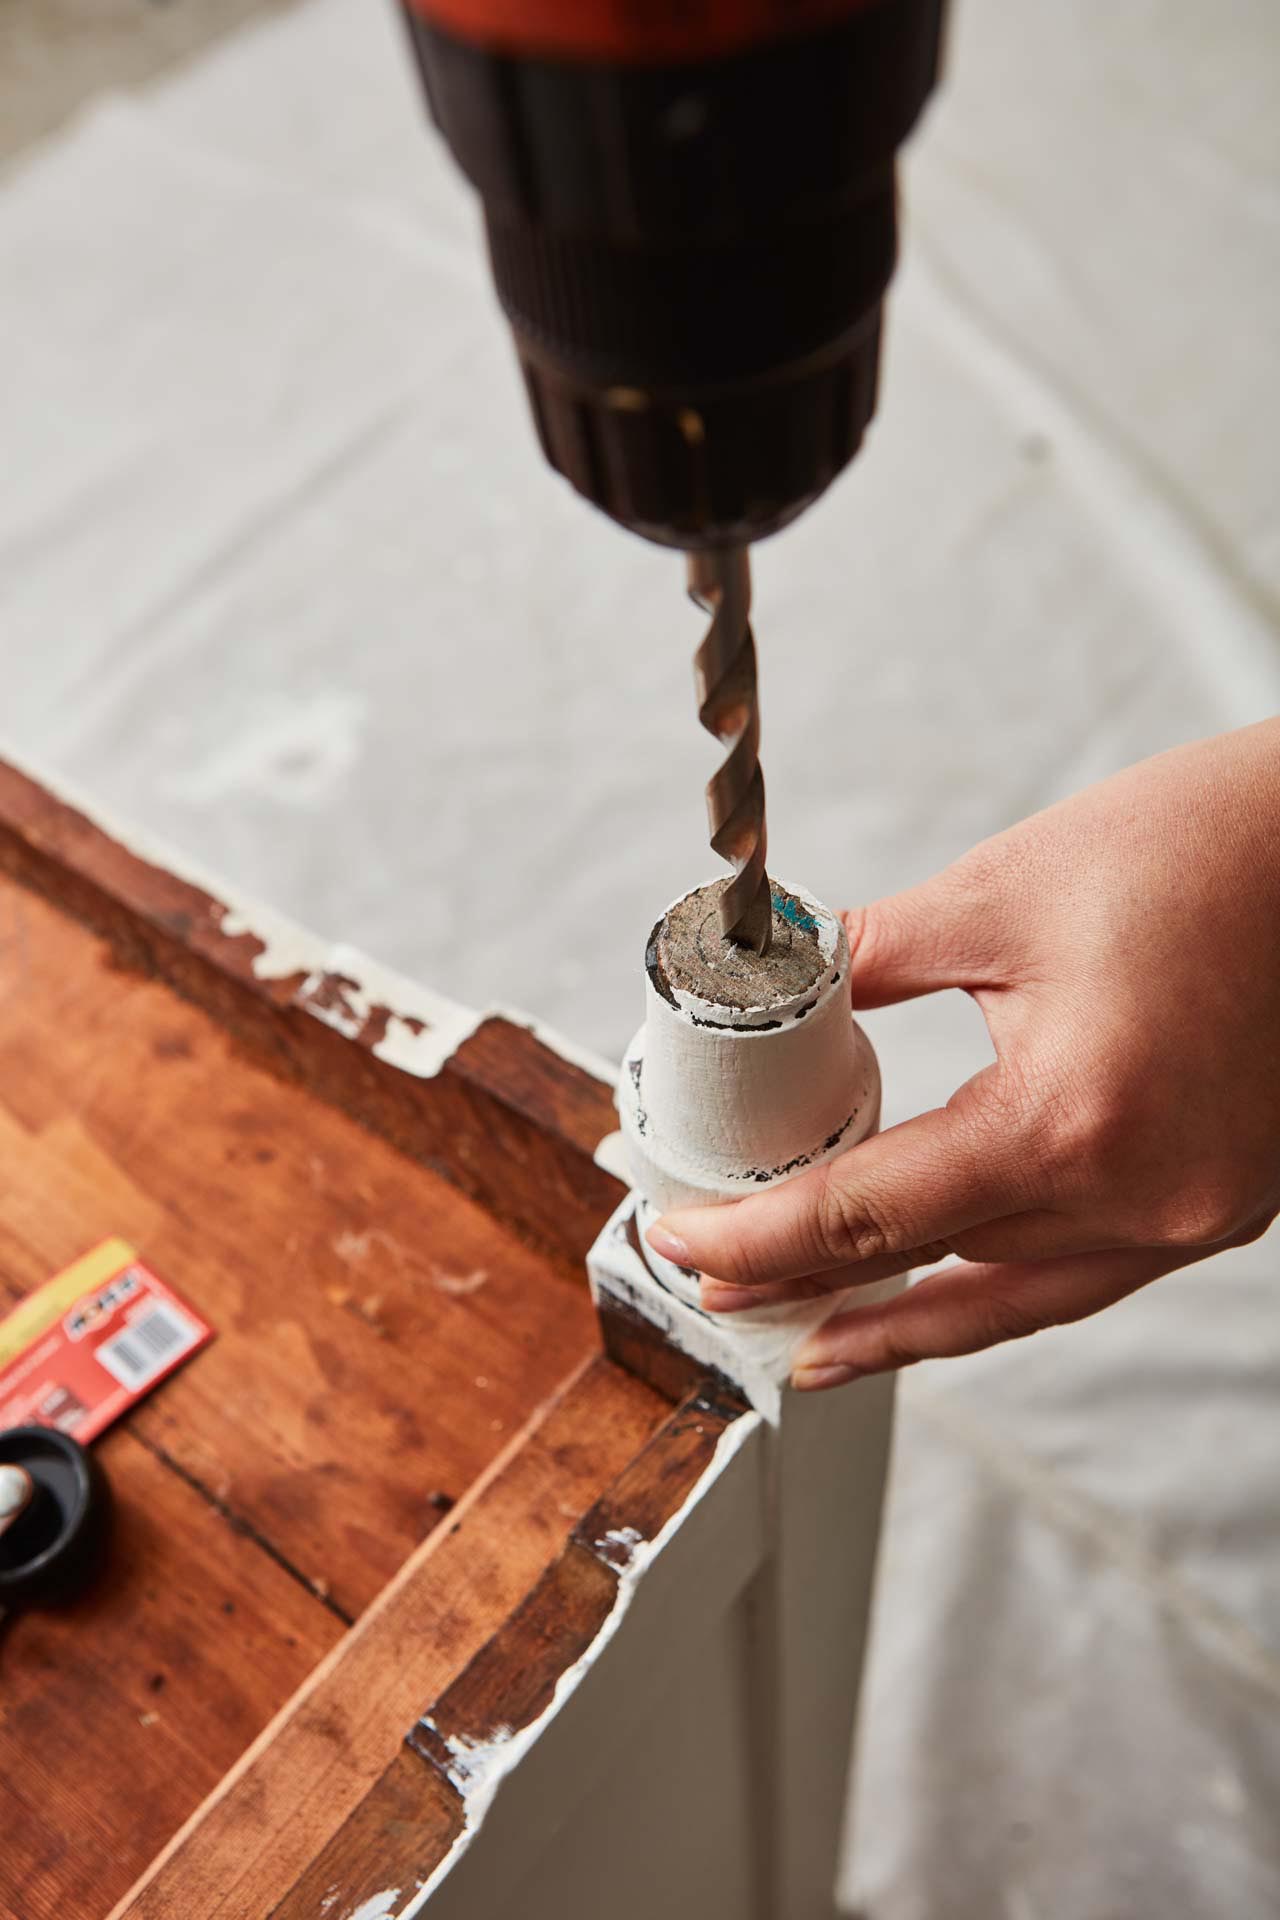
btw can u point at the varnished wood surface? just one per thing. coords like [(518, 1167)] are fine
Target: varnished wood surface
[(381, 1336), (460, 1652), (506, 1118), (118, 1714), (258, 1837)]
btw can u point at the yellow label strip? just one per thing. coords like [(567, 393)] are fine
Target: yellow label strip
[(38, 1312)]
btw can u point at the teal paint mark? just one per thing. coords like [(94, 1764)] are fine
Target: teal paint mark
[(793, 913)]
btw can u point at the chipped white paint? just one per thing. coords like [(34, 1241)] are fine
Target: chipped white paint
[(232, 912), (471, 1761), (618, 1546), (483, 1766), (354, 1248), (718, 1101), (379, 1906), (424, 1029)]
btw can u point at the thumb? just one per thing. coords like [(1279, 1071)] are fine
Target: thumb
[(944, 933)]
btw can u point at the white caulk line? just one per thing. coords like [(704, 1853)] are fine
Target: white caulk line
[(488, 1763)]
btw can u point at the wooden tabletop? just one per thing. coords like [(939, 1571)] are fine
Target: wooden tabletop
[(382, 1333)]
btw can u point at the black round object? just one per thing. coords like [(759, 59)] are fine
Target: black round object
[(52, 1550), (693, 256)]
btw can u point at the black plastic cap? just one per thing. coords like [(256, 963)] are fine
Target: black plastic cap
[(52, 1550)]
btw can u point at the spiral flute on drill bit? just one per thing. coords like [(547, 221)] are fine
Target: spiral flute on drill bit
[(728, 707)]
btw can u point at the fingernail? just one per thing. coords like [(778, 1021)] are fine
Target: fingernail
[(717, 1296), (669, 1245), (814, 1379)]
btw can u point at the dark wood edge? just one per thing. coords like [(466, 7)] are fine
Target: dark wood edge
[(506, 1118), (411, 1815), (637, 1343), (407, 1822)]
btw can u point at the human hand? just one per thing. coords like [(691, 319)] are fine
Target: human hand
[(1124, 948)]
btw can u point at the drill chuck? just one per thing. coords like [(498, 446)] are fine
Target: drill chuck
[(691, 221)]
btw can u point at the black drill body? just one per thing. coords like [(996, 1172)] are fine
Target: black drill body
[(692, 251)]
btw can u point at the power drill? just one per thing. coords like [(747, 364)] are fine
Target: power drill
[(690, 211)]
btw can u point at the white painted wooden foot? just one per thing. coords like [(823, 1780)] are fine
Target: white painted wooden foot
[(776, 1738), (718, 1100)]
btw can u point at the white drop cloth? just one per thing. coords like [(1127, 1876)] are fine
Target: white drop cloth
[(282, 578)]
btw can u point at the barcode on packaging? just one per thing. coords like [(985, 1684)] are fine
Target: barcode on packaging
[(86, 1346), (152, 1341)]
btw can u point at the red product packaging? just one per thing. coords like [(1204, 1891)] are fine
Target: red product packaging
[(93, 1341)]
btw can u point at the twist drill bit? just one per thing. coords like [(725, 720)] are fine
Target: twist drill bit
[(728, 707)]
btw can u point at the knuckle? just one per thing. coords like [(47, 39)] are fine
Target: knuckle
[(1005, 1316), (888, 1348), (1070, 1139), (1007, 1124), (1081, 1147), (740, 1265), (845, 1227)]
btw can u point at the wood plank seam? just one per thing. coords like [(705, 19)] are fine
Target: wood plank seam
[(239, 1524)]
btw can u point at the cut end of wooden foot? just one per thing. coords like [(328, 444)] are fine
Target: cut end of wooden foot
[(693, 955)]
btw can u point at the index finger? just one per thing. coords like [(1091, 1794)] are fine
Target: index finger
[(917, 1184)]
